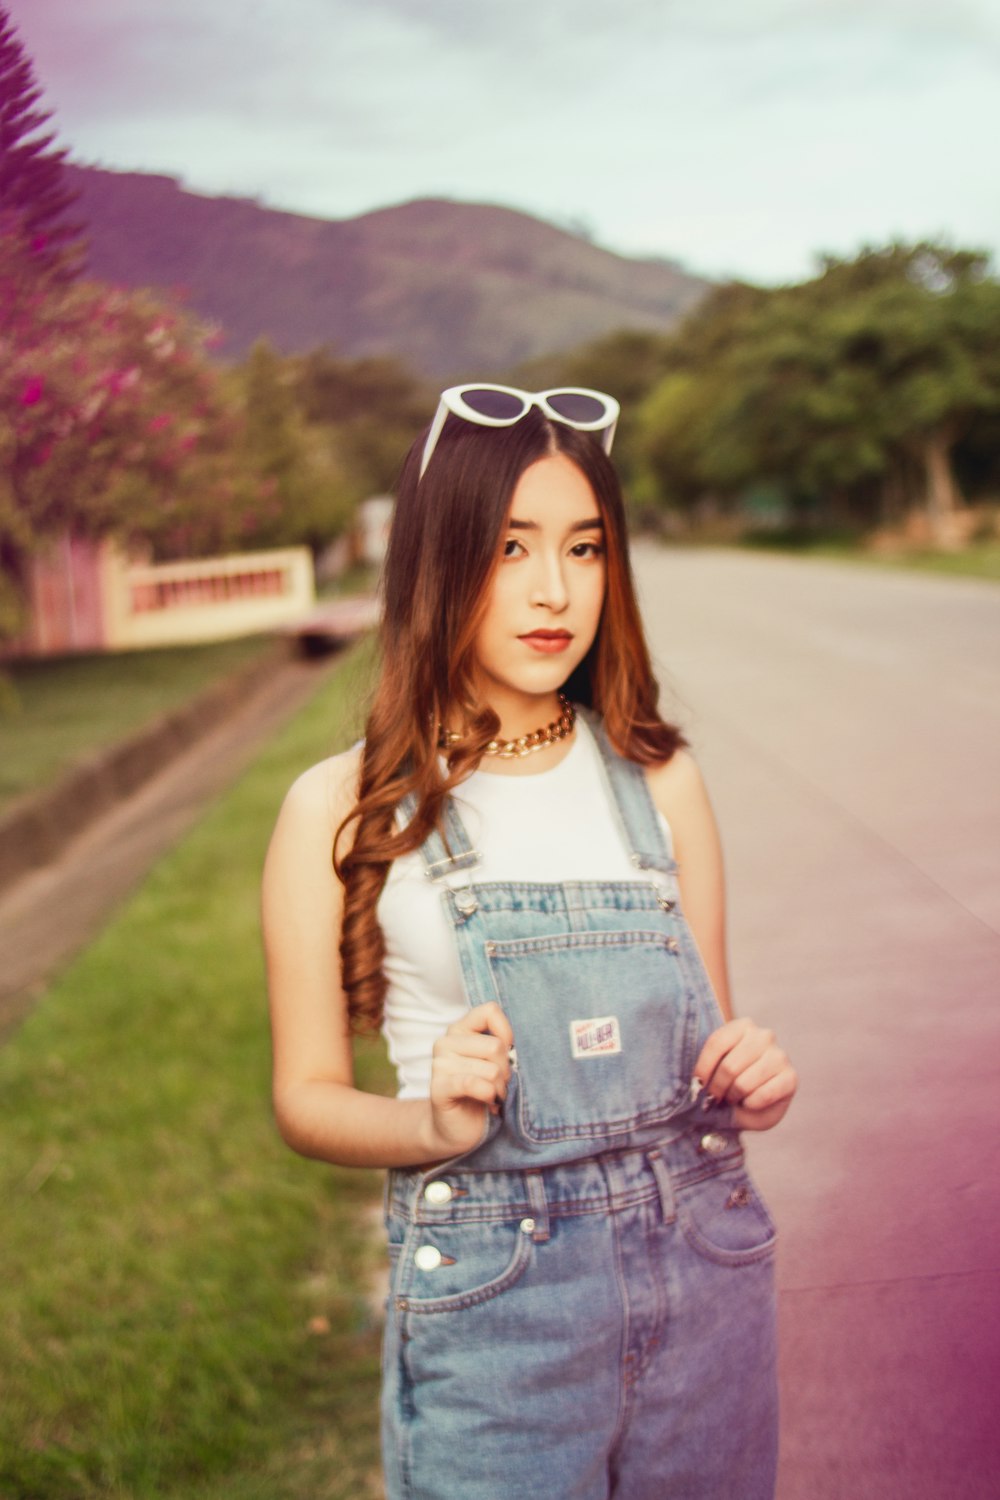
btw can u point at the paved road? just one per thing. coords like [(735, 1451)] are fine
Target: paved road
[(848, 721)]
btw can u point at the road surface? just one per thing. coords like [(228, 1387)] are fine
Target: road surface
[(848, 723)]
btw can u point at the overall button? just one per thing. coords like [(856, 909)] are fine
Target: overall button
[(713, 1144), (427, 1258), (437, 1193), (527, 1226), (671, 944)]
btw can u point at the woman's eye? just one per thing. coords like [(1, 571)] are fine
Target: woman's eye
[(512, 547), (587, 549)]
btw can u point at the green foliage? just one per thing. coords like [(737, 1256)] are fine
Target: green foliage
[(850, 391), (320, 434), (375, 407), (627, 365), (291, 472)]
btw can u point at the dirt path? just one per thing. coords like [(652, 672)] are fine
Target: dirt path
[(49, 915)]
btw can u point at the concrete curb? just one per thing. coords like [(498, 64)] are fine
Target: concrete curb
[(36, 828)]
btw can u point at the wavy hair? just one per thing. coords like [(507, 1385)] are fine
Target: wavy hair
[(443, 548)]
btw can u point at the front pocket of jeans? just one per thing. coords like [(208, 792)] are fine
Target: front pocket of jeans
[(478, 1261), (629, 991), (726, 1220)]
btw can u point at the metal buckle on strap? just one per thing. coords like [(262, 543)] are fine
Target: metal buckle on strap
[(466, 900)]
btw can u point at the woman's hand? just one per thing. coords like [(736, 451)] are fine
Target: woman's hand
[(742, 1064), (470, 1070)]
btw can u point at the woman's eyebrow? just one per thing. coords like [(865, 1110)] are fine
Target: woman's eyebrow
[(594, 524)]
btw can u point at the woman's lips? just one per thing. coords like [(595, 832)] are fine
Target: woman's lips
[(547, 641)]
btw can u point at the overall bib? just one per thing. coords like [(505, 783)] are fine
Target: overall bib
[(583, 1307)]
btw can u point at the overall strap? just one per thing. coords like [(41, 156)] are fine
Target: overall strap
[(630, 797), (442, 856)]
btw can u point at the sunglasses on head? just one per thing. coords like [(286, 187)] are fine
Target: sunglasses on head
[(502, 406)]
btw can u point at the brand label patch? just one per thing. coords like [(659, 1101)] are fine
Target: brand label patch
[(595, 1037)]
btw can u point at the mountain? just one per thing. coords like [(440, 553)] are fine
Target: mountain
[(454, 289)]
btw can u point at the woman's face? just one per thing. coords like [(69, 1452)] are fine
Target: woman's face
[(547, 591)]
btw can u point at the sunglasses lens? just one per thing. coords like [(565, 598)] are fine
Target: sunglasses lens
[(573, 407), (500, 405)]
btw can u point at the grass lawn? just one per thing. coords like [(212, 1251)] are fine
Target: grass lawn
[(977, 560), (184, 1303), (55, 711)]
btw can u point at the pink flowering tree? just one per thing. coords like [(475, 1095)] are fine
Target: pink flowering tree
[(112, 420)]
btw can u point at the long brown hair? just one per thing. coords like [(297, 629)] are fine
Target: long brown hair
[(444, 545)]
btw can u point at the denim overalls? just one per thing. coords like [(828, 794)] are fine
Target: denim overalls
[(582, 1307)]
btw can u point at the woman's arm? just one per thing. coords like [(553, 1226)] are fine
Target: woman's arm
[(319, 1111), (679, 793), (740, 1062)]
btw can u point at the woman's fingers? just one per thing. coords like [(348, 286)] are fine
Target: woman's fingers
[(742, 1064), (454, 1070), (485, 1018), (764, 1082), (471, 1059), (728, 1052), (759, 1111)]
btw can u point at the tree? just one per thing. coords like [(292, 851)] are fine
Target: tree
[(627, 365), (373, 408), (851, 391), (291, 470), (111, 421), (33, 195)]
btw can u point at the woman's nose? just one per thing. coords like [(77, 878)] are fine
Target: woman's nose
[(548, 586)]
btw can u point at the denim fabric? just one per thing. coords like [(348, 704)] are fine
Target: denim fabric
[(583, 1307)]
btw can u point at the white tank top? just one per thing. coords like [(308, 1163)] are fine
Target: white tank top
[(551, 826)]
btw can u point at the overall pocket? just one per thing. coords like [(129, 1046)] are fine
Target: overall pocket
[(605, 1028), (447, 1267), (726, 1220)]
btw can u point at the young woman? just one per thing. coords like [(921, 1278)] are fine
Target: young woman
[(527, 895)]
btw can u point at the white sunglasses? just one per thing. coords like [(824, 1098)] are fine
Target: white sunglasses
[(503, 405)]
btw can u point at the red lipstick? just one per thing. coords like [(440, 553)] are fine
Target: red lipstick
[(547, 641)]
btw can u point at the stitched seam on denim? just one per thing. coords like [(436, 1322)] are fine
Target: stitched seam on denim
[(721, 1256), (557, 942), (654, 1114), (547, 896), (623, 1397), (566, 1208)]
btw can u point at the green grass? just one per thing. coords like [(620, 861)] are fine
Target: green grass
[(55, 711), (163, 1255), (976, 560)]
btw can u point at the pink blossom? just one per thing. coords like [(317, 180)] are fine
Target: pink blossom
[(32, 392), (159, 423), (123, 380)]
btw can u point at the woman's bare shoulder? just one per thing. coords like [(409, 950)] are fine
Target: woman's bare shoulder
[(319, 800), (677, 785)]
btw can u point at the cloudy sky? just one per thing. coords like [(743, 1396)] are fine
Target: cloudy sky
[(738, 136)]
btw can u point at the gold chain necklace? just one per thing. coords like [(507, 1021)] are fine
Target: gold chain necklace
[(525, 744)]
